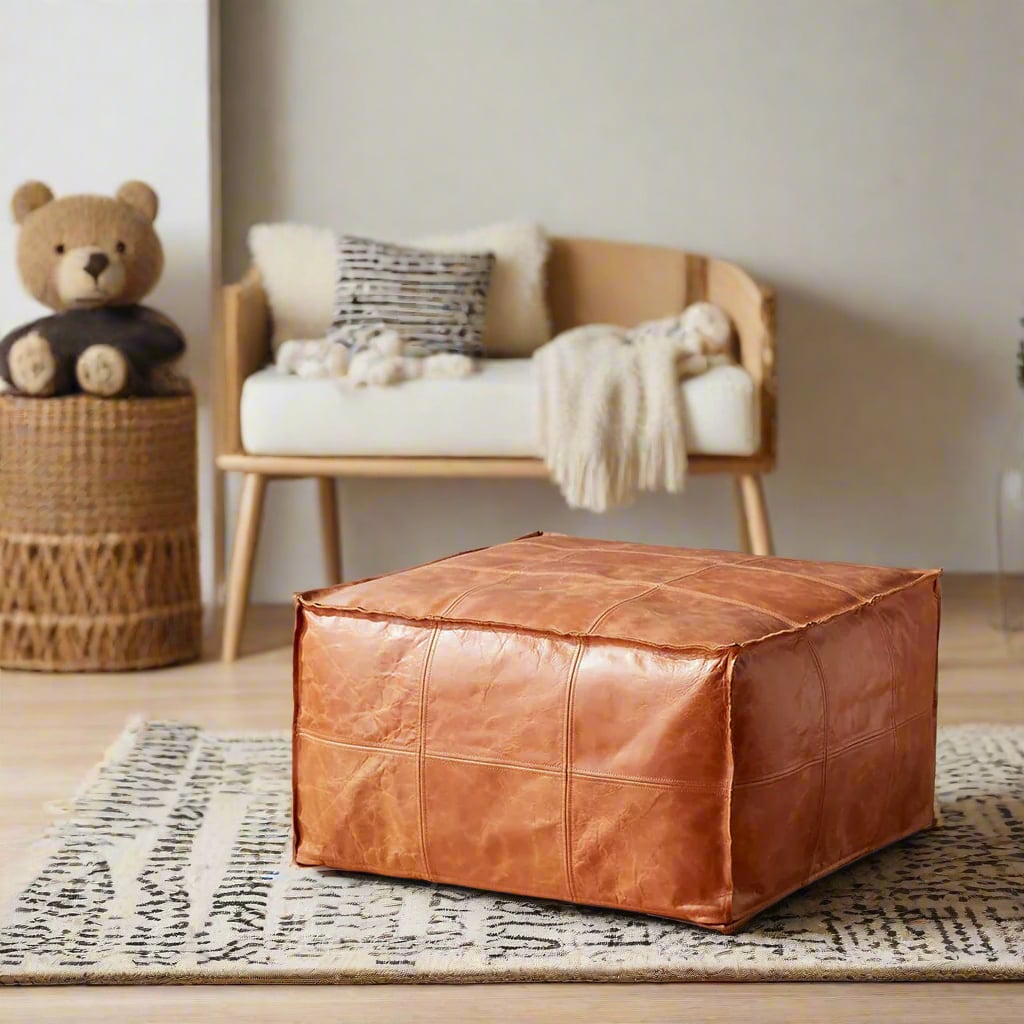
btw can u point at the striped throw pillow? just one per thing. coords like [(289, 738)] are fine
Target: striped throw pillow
[(435, 300)]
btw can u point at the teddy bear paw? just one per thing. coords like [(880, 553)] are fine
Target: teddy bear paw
[(31, 365), (102, 370)]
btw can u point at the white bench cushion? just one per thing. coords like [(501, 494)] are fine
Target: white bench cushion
[(491, 413)]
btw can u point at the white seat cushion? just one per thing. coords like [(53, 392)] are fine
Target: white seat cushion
[(492, 413)]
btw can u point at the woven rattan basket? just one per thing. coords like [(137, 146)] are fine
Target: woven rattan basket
[(99, 562)]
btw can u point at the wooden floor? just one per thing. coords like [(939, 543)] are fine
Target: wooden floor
[(53, 728)]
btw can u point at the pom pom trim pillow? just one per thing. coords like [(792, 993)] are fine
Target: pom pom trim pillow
[(436, 301)]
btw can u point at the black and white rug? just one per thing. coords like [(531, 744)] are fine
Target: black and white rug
[(173, 865)]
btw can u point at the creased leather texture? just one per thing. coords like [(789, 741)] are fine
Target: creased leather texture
[(687, 733)]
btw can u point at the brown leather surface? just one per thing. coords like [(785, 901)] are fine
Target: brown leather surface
[(687, 733)]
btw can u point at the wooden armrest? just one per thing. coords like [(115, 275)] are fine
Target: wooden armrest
[(752, 309), (245, 348)]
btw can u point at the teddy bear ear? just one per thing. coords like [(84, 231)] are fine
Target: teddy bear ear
[(140, 196), (29, 197)]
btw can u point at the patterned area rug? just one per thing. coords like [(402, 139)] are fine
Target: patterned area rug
[(173, 866)]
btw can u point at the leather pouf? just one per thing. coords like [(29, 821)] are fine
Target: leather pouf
[(692, 734)]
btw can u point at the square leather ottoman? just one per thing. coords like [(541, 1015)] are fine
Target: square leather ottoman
[(692, 734)]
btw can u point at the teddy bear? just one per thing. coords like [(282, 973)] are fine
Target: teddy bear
[(701, 335), (91, 259)]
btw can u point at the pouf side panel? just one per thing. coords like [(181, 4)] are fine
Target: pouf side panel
[(358, 680), (355, 727), (834, 742), (777, 729), (493, 755), (495, 759), (651, 775)]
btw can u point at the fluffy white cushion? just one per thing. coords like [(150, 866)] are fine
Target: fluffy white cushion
[(517, 320), (297, 263), (492, 412)]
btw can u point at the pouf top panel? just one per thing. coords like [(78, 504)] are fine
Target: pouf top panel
[(675, 598)]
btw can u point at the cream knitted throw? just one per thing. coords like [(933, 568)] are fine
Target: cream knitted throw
[(610, 414)]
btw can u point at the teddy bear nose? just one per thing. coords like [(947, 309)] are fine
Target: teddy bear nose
[(97, 263)]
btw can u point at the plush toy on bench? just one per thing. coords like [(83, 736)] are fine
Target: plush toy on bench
[(92, 259)]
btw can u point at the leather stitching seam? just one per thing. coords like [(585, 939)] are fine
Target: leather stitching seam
[(567, 754), (596, 576), (480, 586), (507, 575), (824, 755), (806, 577), (535, 542), (421, 751), (370, 748), (791, 623), (644, 549), (833, 753), (557, 770), (651, 781), (538, 541), (638, 780), (887, 639), (650, 590)]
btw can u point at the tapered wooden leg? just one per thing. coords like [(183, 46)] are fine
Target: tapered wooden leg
[(755, 525), (741, 514), (250, 510), (330, 526)]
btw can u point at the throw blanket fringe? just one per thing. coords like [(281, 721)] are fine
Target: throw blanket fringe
[(610, 415)]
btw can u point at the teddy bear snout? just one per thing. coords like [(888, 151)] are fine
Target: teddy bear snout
[(88, 276), (96, 264)]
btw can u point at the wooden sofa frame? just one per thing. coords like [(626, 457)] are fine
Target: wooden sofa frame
[(589, 281)]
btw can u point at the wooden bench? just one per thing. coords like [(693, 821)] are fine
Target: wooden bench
[(589, 281)]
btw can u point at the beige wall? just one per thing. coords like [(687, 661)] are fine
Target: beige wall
[(866, 158), (155, 57)]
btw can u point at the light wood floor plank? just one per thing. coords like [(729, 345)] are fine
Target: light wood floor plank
[(993, 1003)]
